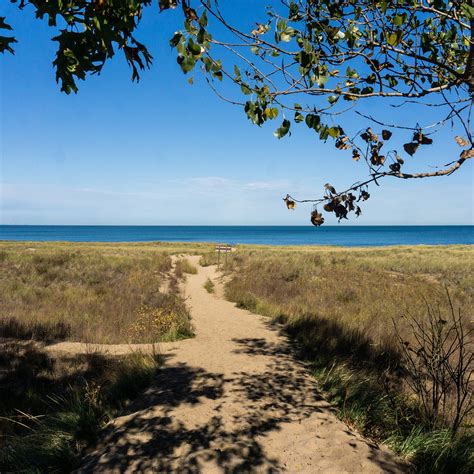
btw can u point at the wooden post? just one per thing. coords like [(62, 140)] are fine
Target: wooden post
[(222, 248)]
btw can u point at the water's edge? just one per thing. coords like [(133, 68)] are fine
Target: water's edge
[(352, 236)]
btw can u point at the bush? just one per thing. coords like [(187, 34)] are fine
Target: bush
[(439, 364), (209, 286)]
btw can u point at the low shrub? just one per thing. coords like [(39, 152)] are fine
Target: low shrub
[(209, 286)]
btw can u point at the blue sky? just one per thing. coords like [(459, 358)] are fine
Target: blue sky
[(165, 152)]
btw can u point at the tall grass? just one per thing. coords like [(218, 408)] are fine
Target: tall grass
[(183, 266), (339, 306), (84, 293), (51, 409)]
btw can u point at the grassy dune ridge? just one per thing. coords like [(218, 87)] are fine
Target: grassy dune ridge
[(340, 305), (88, 292), (52, 406), (360, 289)]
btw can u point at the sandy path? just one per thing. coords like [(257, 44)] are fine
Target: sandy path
[(232, 399)]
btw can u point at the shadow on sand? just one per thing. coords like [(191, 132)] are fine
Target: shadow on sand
[(239, 412)]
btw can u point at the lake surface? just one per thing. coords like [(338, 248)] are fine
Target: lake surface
[(354, 236)]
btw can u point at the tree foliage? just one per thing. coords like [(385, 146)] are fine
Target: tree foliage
[(310, 62)]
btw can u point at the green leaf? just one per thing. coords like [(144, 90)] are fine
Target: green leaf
[(468, 10), (207, 63), (218, 74), (393, 39), (334, 132), (187, 63), (298, 117), (283, 129), (398, 20), (237, 73), (271, 113), (245, 89), (194, 48), (313, 121), (323, 132), (203, 20), (287, 34)]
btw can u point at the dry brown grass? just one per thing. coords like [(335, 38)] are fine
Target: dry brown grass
[(340, 305), (85, 292), (358, 290)]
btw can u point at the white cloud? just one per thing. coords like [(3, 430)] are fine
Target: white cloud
[(268, 185)]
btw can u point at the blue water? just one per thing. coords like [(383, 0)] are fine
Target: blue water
[(268, 235)]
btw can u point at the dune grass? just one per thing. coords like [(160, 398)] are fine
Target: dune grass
[(90, 293), (209, 286), (340, 306), (52, 408), (183, 266)]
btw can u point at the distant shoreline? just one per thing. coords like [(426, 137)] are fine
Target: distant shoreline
[(197, 247), (339, 236)]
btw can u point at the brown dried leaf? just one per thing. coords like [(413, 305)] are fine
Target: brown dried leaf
[(317, 219), (341, 144), (377, 160), (190, 13), (411, 148), (422, 139), (386, 134), (330, 188), (165, 4), (461, 141), (466, 154), (290, 204)]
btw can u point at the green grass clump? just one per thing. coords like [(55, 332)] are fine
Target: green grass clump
[(52, 410), (209, 286), (183, 266)]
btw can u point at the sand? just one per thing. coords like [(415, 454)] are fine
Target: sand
[(232, 399)]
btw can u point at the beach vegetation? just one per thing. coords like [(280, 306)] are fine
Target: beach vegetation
[(209, 286), (387, 333), (182, 266), (52, 407), (82, 293)]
